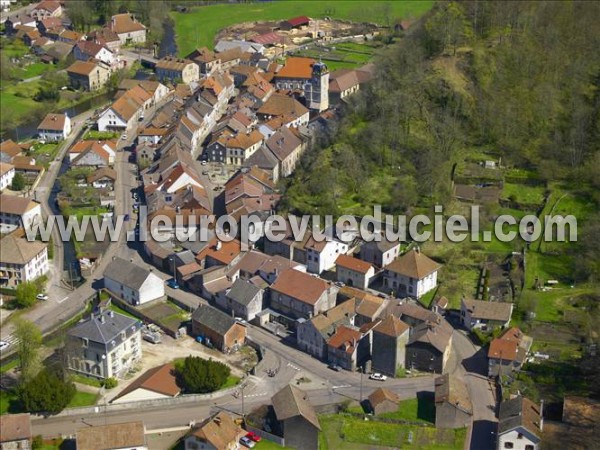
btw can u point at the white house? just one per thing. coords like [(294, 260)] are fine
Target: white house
[(54, 127), (380, 253), (156, 383), (321, 256), (411, 275), (7, 173), (520, 424), (18, 212), (84, 50), (124, 113), (129, 30), (21, 260), (104, 346), (132, 283), (353, 271)]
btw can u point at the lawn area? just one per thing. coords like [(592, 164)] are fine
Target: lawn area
[(83, 399), (34, 70), (232, 381), (414, 410), (44, 154), (342, 431), (523, 193), (269, 445), (199, 27), (6, 398), (115, 308), (14, 48), (88, 381), (9, 365), (101, 135)]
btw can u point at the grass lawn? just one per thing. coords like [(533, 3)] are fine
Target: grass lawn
[(116, 309), (34, 70), (414, 410), (342, 431), (83, 399), (232, 380), (14, 49), (199, 27), (6, 398), (88, 381), (269, 445), (9, 365), (524, 194), (102, 135)]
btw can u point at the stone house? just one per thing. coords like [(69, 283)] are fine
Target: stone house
[(389, 346), (429, 346), (383, 401), (520, 425), (485, 314), (296, 418), (353, 271), (86, 75), (129, 30), (171, 69), (244, 300), (15, 433), (453, 407), (217, 328)]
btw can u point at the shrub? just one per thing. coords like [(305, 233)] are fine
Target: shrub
[(25, 295), (200, 376), (47, 392), (18, 182), (110, 383)]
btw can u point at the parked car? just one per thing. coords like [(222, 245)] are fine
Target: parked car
[(247, 442), (4, 345), (240, 320), (334, 367), (377, 377), (42, 297), (253, 436), (203, 162), (172, 283)]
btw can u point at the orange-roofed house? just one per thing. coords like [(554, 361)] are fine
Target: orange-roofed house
[(46, 9), (218, 253), (124, 113), (156, 383), (299, 295), (389, 345), (347, 348), (411, 275), (310, 77), (88, 75), (219, 432), (127, 28), (353, 271), (508, 352)]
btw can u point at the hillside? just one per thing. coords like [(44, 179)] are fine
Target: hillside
[(513, 83)]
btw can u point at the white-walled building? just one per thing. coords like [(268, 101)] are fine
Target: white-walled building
[(411, 275), (520, 424), (21, 261), (107, 345), (124, 113), (321, 256), (7, 173), (18, 212), (353, 271), (54, 127), (129, 30), (133, 283)]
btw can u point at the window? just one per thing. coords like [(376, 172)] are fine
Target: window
[(509, 445), (529, 447)]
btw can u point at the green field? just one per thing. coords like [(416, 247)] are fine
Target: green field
[(83, 399), (199, 27), (34, 70), (343, 431)]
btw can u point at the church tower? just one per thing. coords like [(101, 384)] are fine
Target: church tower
[(318, 88)]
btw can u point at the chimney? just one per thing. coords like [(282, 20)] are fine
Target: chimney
[(102, 319), (111, 313), (542, 415), (218, 246), (218, 420)]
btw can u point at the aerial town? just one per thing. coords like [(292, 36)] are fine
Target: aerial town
[(145, 116)]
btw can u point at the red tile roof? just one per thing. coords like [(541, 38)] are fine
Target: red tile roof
[(354, 264), (300, 285), (296, 67)]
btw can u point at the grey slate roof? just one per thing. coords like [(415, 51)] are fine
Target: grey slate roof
[(243, 292), (104, 328), (126, 273), (519, 412), (291, 402), (213, 319)]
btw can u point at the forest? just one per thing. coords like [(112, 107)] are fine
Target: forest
[(514, 82)]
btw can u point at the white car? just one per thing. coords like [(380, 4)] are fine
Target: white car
[(42, 297), (377, 377), (4, 345), (247, 442), (124, 137)]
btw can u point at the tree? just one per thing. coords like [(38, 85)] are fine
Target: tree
[(48, 392), (29, 340), (18, 182), (200, 376), (26, 294)]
